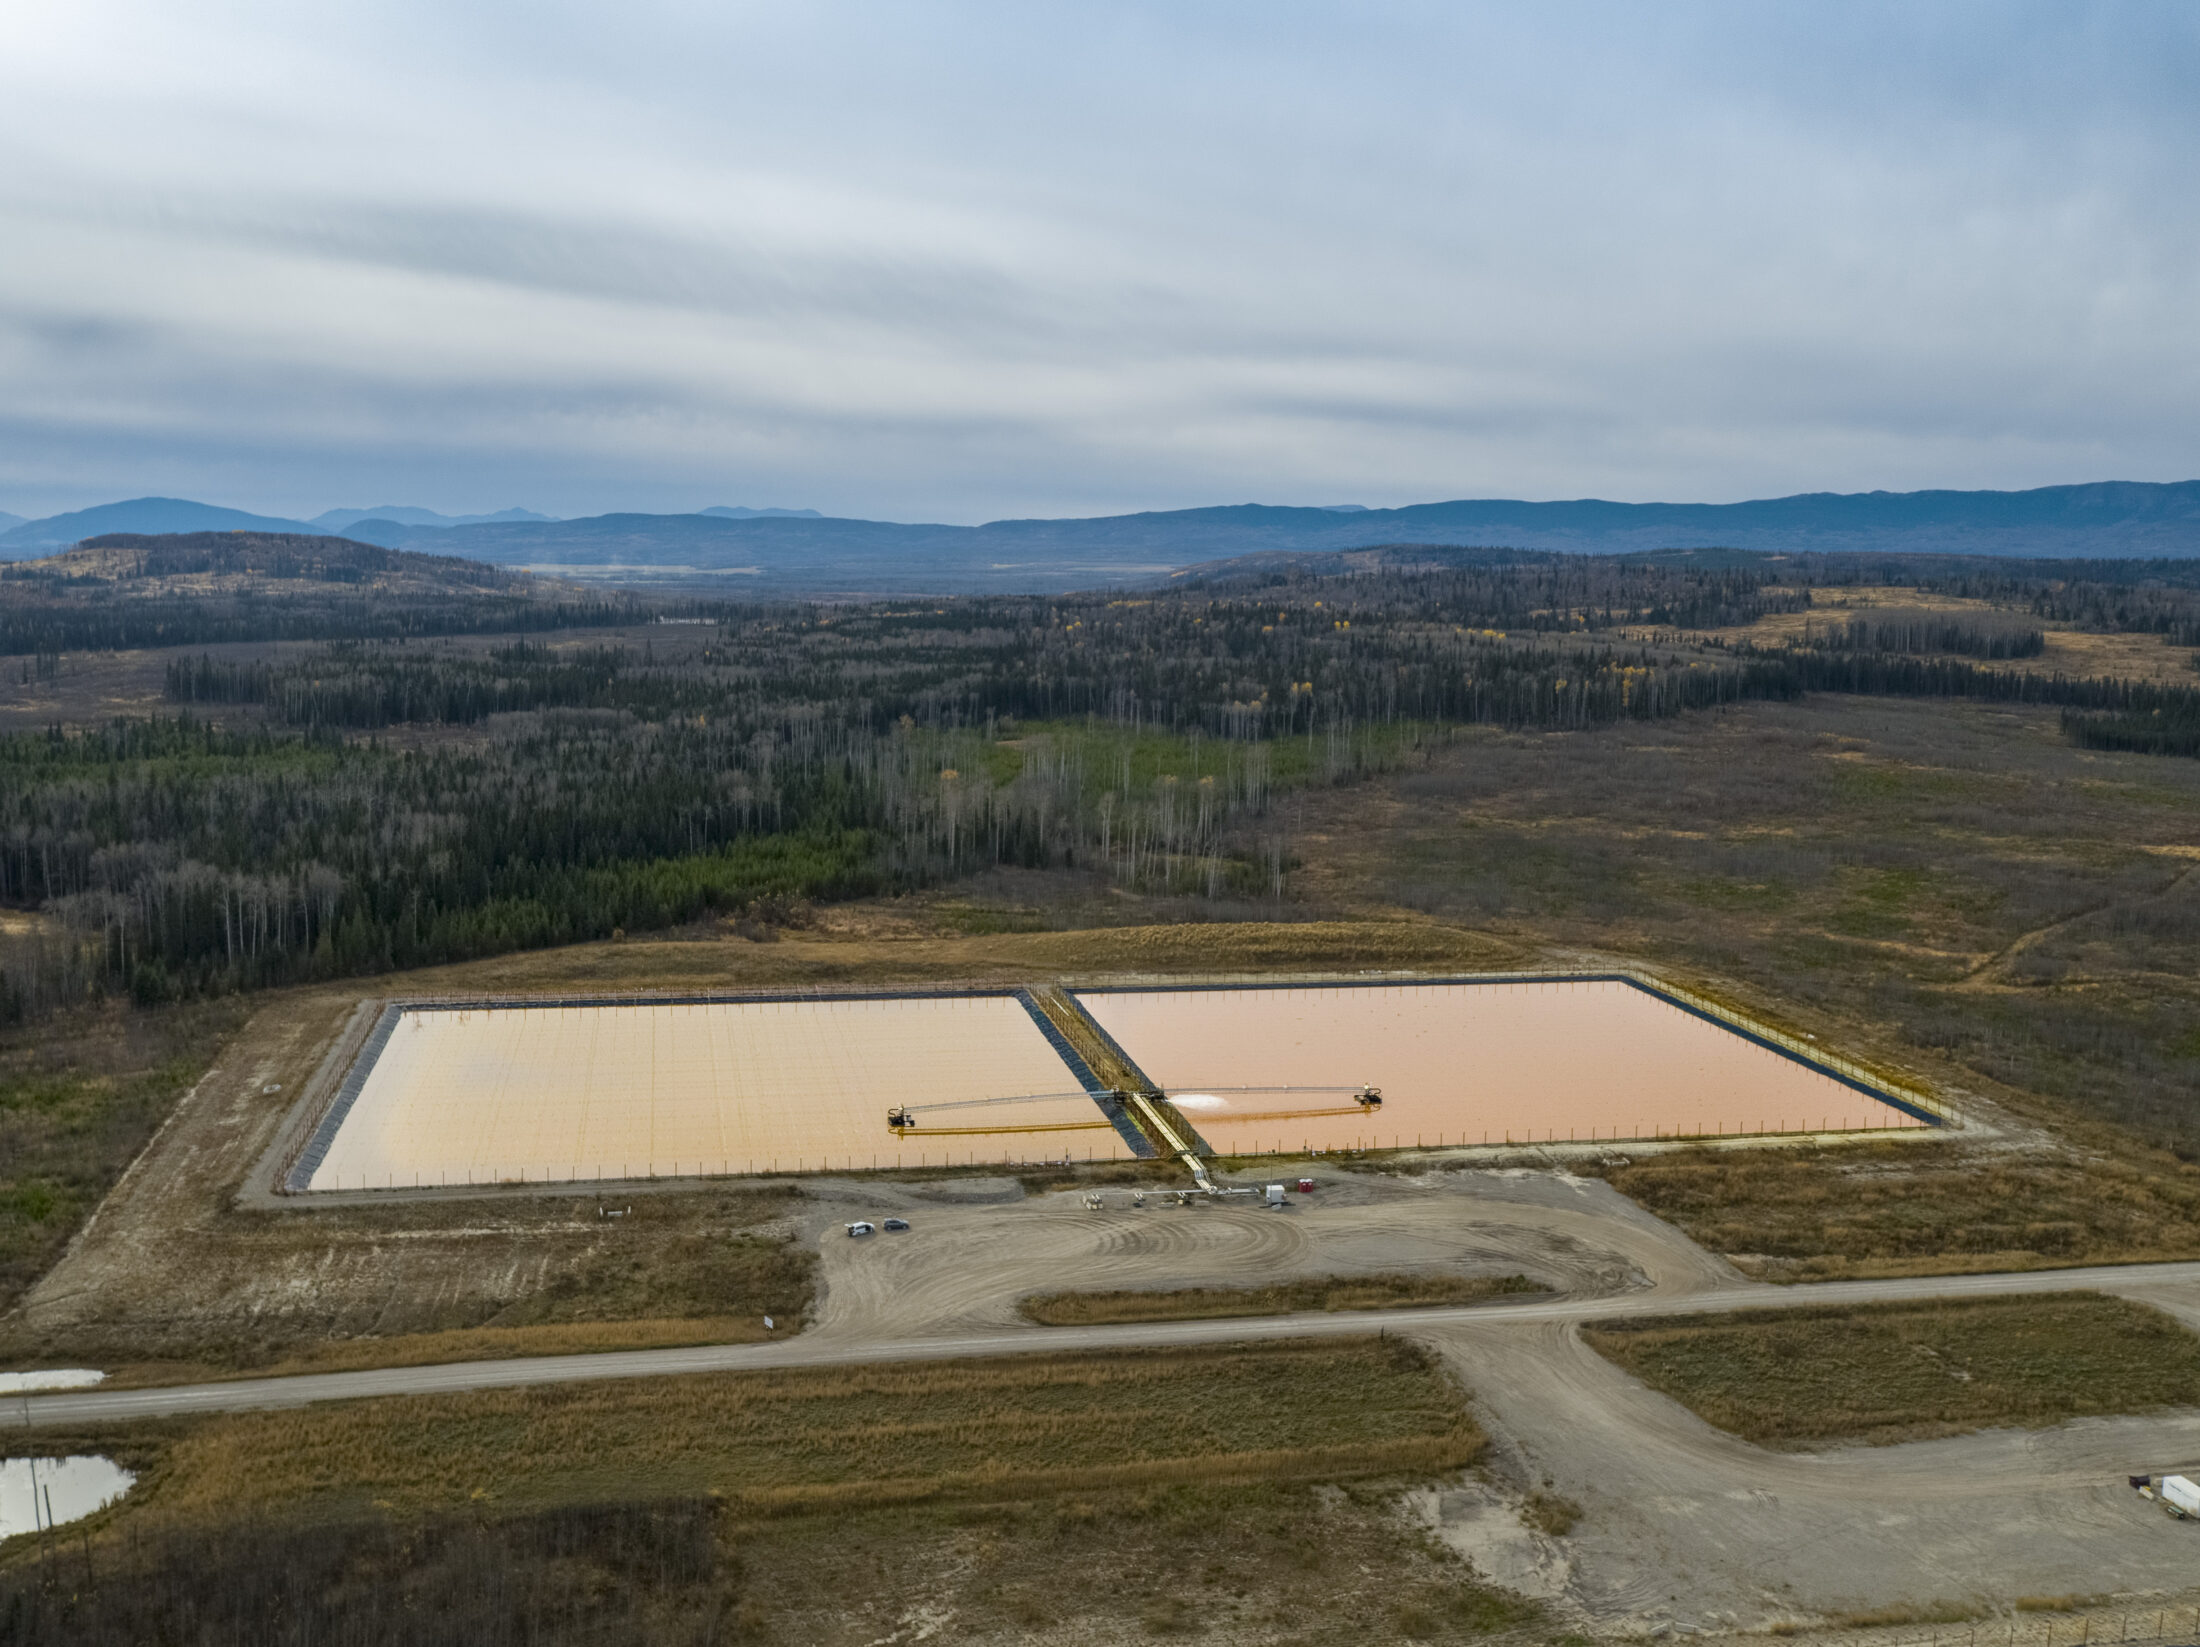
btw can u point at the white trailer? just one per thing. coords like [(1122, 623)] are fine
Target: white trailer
[(2180, 1497)]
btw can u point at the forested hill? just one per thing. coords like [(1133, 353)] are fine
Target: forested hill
[(1835, 569), (387, 801), (197, 588), (148, 561)]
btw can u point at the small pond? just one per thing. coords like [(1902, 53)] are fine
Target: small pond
[(41, 1492)]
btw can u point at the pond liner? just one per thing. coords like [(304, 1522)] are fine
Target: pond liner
[(332, 1119)]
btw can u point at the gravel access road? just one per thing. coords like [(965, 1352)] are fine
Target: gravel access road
[(839, 1348)]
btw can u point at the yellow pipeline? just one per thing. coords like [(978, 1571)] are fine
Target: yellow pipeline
[(1291, 1114), (1046, 1126)]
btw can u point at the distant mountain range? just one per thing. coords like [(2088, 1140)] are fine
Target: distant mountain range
[(337, 520), (812, 554), (32, 538), (784, 551), (20, 538)]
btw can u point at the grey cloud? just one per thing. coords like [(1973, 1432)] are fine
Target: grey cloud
[(931, 260)]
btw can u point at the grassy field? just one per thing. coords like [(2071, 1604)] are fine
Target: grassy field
[(1916, 1209), (784, 1441), (1278, 1564), (1354, 1292), (424, 1349), (77, 1102), (1231, 1492), (1945, 889), (1887, 1373)]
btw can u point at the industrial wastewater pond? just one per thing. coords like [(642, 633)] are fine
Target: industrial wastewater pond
[(507, 1092), (1507, 1061)]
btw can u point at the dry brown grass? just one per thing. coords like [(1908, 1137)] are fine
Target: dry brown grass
[(1866, 1210), (1946, 889), (1334, 1292), (470, 1344), (2060, 1604), (1900, 1372), (1270, 1563), (1923, 1612), (2069, 651), (1240, 1493), (784, 1442), (79, 1096), (913, 946), (2130, 657), (1550, 1513)]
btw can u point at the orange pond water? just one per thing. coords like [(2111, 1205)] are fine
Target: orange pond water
[(581, 1092), (1464, 1063)]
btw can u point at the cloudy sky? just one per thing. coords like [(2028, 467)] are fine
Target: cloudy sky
[(952, 261)]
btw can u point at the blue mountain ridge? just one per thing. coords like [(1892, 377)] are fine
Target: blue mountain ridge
[(784, 550), (337, 520), (38, 537), (2104, 519)]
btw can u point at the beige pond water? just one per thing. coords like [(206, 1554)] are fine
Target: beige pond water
[(1548, 1060), (551, 1093)]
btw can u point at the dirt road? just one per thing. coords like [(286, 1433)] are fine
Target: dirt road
[(1683, 1526), (1459, 1331)]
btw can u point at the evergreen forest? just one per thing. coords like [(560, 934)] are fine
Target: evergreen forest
[(365, 760)]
